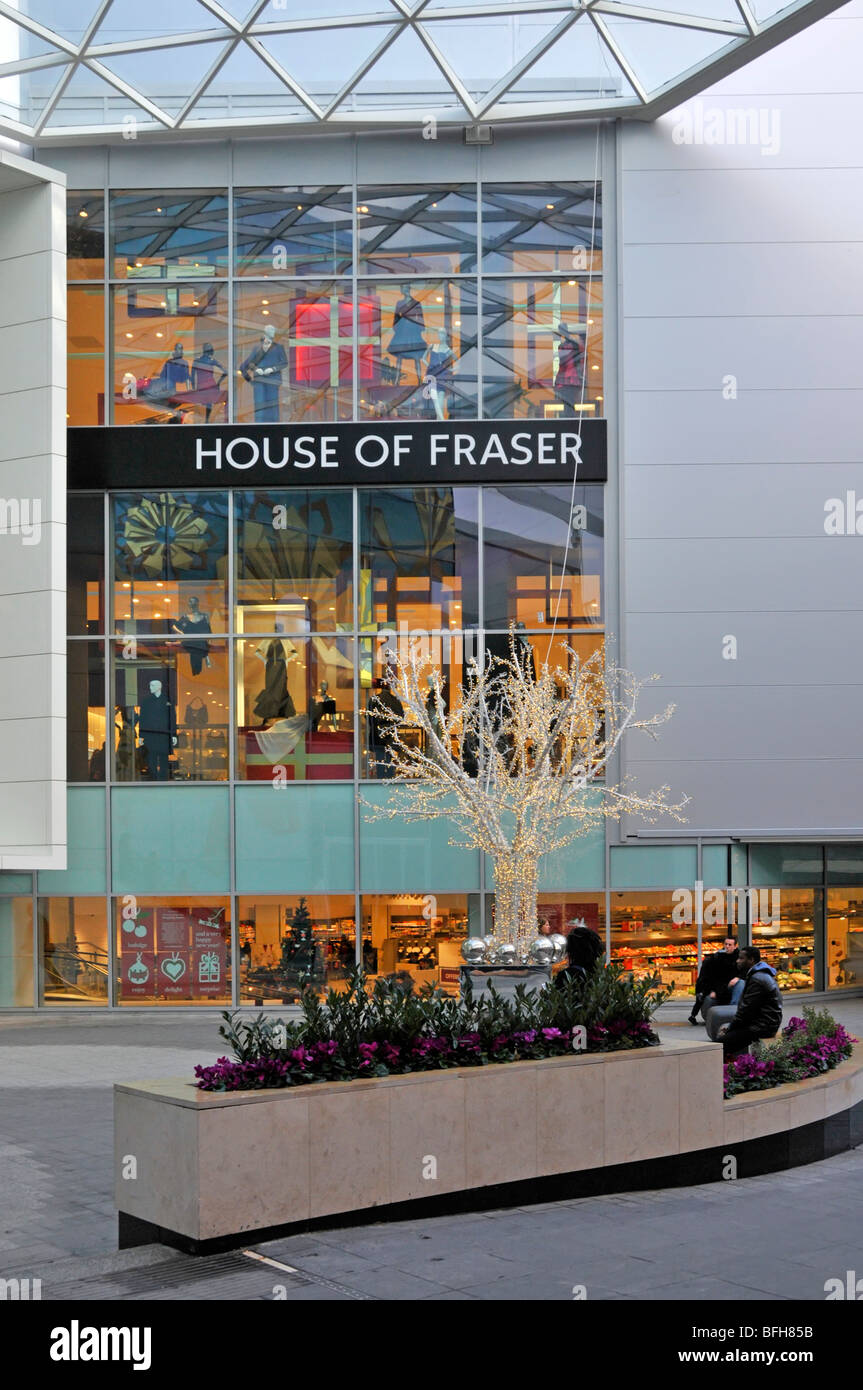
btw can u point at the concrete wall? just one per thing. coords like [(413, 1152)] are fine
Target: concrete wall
[(741, 392), (32, 516)]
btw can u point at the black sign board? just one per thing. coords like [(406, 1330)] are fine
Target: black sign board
[(395, 452)]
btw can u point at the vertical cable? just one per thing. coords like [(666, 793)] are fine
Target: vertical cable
[(585, 369), (357, 656)]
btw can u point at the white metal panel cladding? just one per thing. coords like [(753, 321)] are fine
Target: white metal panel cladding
[(741, 465), (32, 517), (109, 66)]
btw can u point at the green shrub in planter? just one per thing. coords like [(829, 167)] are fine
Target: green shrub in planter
[(806, 1047), (389, 1028)]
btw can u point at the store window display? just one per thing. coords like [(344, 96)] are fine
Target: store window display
[(541, 227), (295, 349), (543, 558), (783, 928), (85, 355), (421, 361), (542, 348), (73, 951), (646, 940), (86, 729), (170, 346), (170, 707), (170, 548), (173, 950), (418, 559), (381, 711), (295, 706), (85, 236), (294, 560), (844, 937), (415, 937), (293, 231), (169, 235), (288, 944), (417, 229)]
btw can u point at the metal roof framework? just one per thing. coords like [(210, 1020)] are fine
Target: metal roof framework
[(622, 89)]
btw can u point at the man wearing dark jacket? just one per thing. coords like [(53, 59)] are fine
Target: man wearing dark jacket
[(759, 1013), (718, 972)]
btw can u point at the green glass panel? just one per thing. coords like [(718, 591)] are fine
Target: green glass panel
[(295, 839), (653, 866), (785, 864), (397, 856), (714, 866), (170, 840), (85, 872)]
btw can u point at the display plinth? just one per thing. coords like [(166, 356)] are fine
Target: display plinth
[(505, 978)]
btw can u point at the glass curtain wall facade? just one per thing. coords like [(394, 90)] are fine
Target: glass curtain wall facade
[(323, 303), (224, 645)]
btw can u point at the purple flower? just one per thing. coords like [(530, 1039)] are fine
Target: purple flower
[(551, 1033), (367, 1053)]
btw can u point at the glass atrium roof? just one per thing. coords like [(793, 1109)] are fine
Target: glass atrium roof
[(76, 68)]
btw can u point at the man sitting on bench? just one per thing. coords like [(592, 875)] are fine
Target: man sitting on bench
[(759, 1012)]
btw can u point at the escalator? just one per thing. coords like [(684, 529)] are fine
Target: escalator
[(75, 974)]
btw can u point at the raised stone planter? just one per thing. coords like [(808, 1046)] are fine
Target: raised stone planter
[(213, 1165), (217, 1169)]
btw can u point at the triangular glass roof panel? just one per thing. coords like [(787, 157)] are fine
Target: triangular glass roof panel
[(166, 76), (238, 9), (437, 5), (17, 43), (700, 9), (482, 49), (659, 53), (405, 75), (577, 67), (245, 86), (68, 18), (346, 49), (325, 9), (128, 21), (90, 101)]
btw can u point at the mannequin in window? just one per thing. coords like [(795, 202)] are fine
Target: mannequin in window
[(440, 366), (207, 378), (157, 725), (263, 368), (380, 727), (274, 701), (124, 727), (407, 341), (324, 707), (191, 625), (175, 372), (570, 368)]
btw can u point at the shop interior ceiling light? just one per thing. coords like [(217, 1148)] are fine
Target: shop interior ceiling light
[(96, 67)]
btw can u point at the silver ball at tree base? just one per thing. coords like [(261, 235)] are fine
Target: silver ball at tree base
[(558, 941), (541, 951), (491, 944), (506, 954), (473, 950)]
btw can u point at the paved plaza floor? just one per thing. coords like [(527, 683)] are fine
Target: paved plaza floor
[(780, 1236)]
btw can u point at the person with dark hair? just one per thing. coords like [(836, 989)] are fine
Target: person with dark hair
[(584, 951), (759, 1012), (718, 975)]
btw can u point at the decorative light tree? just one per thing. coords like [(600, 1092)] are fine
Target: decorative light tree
[(518, 762)]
